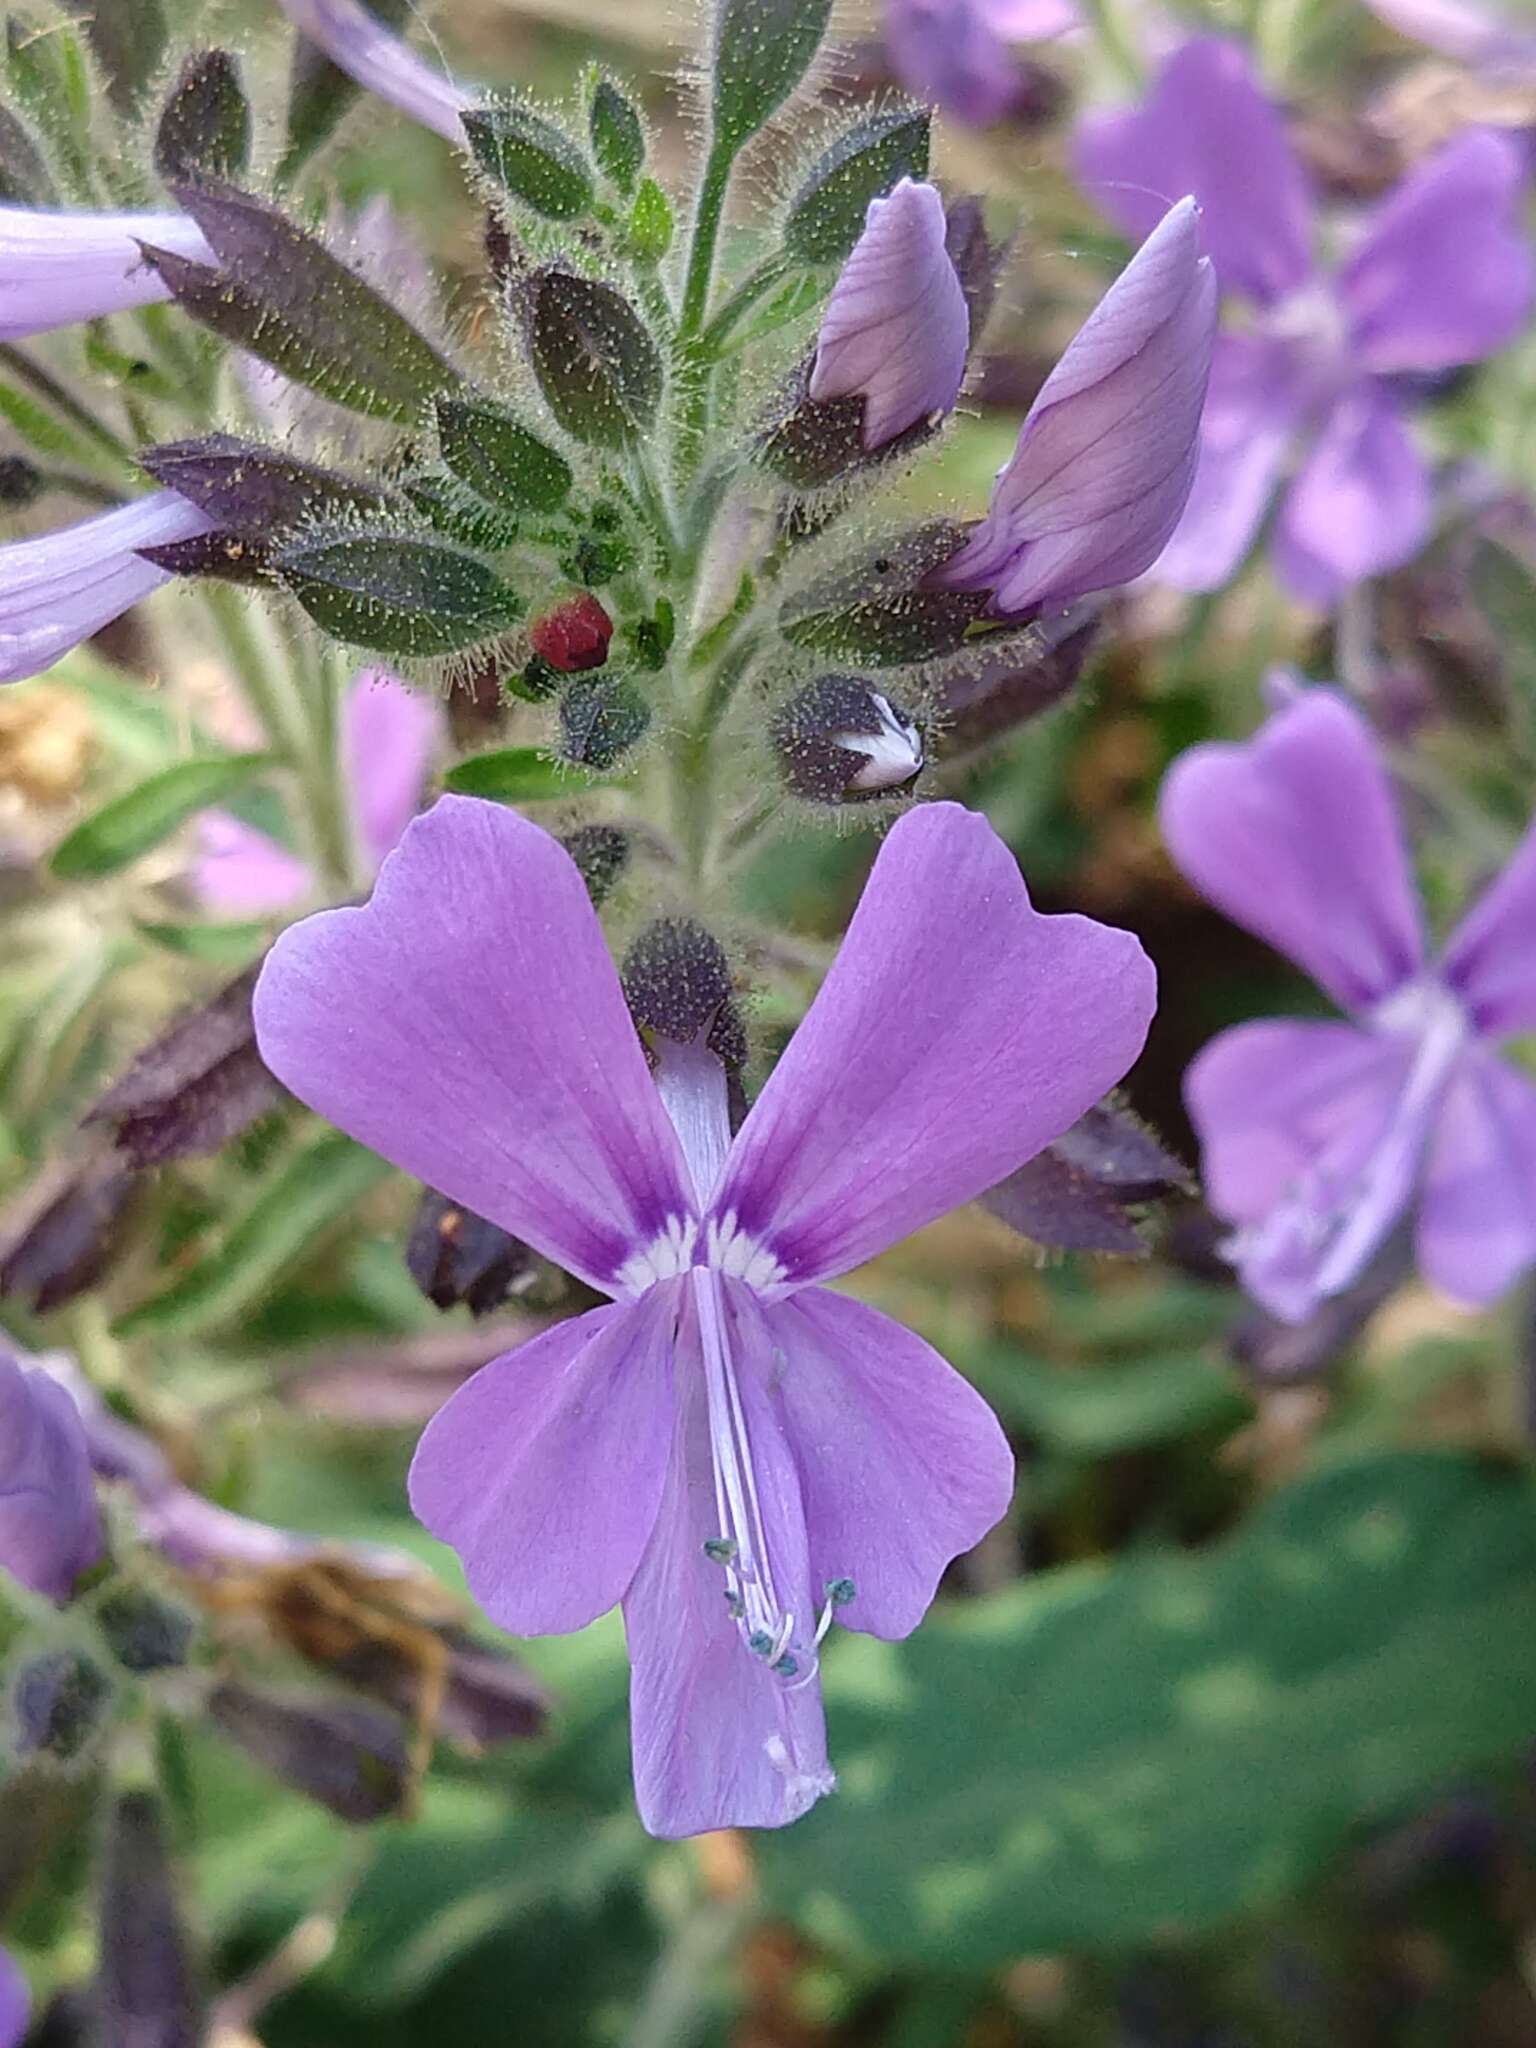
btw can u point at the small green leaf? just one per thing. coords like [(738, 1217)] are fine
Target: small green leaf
[(618, 135), (759, 50), (139, 819), (320, 93), (533, 159), (649, 229), (601, 721), (500, 460), (314, 1188), (205, 124), (597, 366), (219, 945), (827, 212), (515, 775), (452, 508), (397, 593)]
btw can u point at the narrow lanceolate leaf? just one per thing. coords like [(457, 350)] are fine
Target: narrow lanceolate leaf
[(310, 1192), (876, 611), (597, 366), (205, 124), (127, 42), (514, 775), (827, 212), (499, 458), (25, 179), (531, 158), (759, 50), (617, 135), (648, 231), (397, 593), (131, 824), (253, 490), (280, 293)]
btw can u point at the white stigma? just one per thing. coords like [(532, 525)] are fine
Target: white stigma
[(894, 753)]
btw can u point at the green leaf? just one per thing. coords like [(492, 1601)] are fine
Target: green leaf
[(597, 366), (320, 93), (139, 819), (515, 775), (533, 159), (1101, 1758), (759, 50), (315, 1187), (499, 459), (826, 215), (454, 509), (617, 133), (205, 124), (1097, 1411), (649, 228), (396, 593), (219, 945), (130, 721)]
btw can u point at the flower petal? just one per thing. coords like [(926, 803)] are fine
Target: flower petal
[(1257, 398), (957, 1033), (1207, 127), (1294, 835), (902, 1464), (1443, 273), (954, 53), (241, 872), (1490, 958), (544, 1471), (1477, 1222), (1106, 456), (50, 1530), (1360, 504), (58, 267), (895, 330), (468, 1024), (718, 1739), (15, 2002), (388, 734), (381, 63)]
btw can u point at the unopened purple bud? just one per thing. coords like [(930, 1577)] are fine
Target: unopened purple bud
[(58, 1701), (455, 1256), (64, 1232), (348, 1757), (1006, 679), (840, 740), (50, 1530), (1106, 455), (143, 1631), (896, 328)]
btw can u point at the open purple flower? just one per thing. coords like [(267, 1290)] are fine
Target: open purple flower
[(1321, 380), (727, 1448), (387, 736), (1319, 1138), (895, 330), (57, 267), (1107, 452), (50, 1531), (15, 2004), (360, 45), (955, 52), (59, 588)]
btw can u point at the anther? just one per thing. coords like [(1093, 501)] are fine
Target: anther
[(720, 1549)]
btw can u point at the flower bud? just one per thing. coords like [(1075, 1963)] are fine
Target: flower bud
[(1081, 1194), (840, 740), (205, 124), (677, 982), (145, 1987), (64, 1232), (455, 1256), (601, 852), (143, 1631), (58, 1703), (348, 1757), (600, 722), (1006, 679), (572, 636), (50, 1531)]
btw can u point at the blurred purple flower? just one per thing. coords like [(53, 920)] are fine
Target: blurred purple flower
[(955, 52), (1440, 276), (387, 736), (1107, 452), (58, 267), (726, 1446), (15, 2004), (381, 63), (50, 1531), (1319, 1137), (59, 588), (895, 330), (1479, 32)]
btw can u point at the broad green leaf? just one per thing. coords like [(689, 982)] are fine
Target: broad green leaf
[(515, 775), (533, 159), (826, 215), (599, 370), (759, 50), (309, 1192), (492, 452), (398, 593), (1106, 1756), (139, 819)]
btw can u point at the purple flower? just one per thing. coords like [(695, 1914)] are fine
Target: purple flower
[(50, 1531), (726, 1447), (1480, 32), (895, 330), (15, 2004), (1107, 452), (360, 44), (955, 52), (59, 588), (1319, 1137), (1439, 276), (56, 267), (387, 736)]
